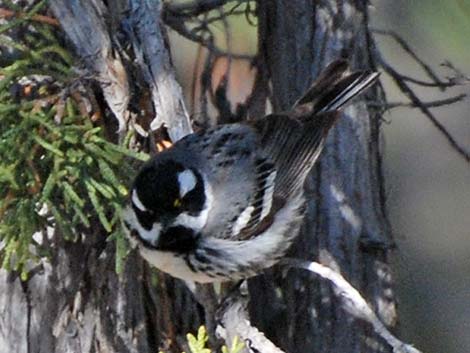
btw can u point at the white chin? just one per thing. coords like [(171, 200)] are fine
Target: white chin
[(151, 235), (192, 222)]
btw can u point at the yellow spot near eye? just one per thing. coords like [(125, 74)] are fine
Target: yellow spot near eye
[(177, 203)]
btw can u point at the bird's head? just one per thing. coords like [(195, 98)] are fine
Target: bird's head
[(168, 206)]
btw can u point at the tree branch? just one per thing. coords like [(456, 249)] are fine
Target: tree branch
[(436, 81), (153, 59), (402, 82), (432, 104), (352, 301), (180, 27), (234, 322), (79, 20), (5, 13), (403, 86), (194, 8), (233, 317)]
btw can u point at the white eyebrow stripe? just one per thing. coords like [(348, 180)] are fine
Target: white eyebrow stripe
[(136, 201), (187, 182)]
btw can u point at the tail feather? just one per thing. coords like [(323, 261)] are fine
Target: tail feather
[(344, 91), (334, 88), (294, 139), (324, 82)]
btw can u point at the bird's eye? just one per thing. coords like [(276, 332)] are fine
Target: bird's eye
[(177, 203)]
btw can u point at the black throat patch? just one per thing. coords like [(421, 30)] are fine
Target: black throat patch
[(178, 239)]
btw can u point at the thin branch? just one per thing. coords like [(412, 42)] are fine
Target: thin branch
[(431, 104), (233, 319), (428, 84), (194, 8), (223, 16), (5, 13), (194, 80), (178, 25), (403, 86), (352, 300), (206, 88), (437, 82), (458, 75)]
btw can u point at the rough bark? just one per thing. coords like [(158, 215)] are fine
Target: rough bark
[(77, 303), (346, 226)]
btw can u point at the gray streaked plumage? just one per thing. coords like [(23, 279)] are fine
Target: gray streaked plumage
[(242, 202)]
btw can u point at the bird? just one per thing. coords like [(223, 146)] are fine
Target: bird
[(225, 203)]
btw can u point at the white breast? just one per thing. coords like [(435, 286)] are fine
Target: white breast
[(173, 264)]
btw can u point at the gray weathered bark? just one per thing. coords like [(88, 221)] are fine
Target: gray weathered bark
[(76, 303), (346, 226)]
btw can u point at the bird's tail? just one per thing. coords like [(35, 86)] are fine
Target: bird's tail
[(334, 88), (294, 139)]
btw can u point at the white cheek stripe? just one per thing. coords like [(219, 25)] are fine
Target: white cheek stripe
[(193, 222), (136, 201), (151, 235), (187, 182), (197, 222)]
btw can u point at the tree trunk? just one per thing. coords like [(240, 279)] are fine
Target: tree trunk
[(346, 226), (77, 303)]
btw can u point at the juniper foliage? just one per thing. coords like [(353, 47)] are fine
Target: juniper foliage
[(58, 168)]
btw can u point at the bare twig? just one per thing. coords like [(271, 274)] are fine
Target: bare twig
[(458, 75), (194, 80), (194, 8), (206, 87), (234, 322), (352, 300), (403, 86), (224, 14), (419, 82), (431, 104), (402, 83), (5, 13), (249, 12), (437, 82), (179, 26)]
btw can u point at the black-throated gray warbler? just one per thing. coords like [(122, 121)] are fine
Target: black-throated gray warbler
[(227, 202)]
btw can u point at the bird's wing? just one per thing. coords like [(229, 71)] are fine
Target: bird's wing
[(256, 167), (294, 139)]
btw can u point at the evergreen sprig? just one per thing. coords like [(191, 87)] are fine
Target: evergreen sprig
[(198, 343), (57, 168)]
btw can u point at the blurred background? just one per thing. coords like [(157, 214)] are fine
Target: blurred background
[(428, 183)]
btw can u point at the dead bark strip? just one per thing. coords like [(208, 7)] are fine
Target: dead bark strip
[(154, 60), (84, 24), (101, 51)]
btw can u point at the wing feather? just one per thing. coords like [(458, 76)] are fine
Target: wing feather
[(294, 139), (261, 204), (285, 148)]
